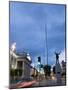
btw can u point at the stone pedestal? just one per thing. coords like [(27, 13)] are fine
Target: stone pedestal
[(59, 81), (58, 69), (58, 74)]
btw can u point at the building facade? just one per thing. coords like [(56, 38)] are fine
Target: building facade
[(21, 61)]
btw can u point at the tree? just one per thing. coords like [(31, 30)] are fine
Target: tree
[(47, 70)]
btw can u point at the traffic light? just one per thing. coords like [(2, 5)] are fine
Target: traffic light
[(41, 66), (39, 59)]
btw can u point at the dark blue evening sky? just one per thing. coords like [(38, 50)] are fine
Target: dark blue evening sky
[(28, 22)]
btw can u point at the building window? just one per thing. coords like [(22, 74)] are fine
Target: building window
[(19, 64)]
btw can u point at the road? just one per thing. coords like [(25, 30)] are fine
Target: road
[(37, 83), (48, 82)]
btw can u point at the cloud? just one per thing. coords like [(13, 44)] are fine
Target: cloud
[(28, 23)]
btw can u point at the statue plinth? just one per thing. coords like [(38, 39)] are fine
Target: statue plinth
[(58, 74), (58, 70)]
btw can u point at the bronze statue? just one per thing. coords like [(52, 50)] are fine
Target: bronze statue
[(57, 55)]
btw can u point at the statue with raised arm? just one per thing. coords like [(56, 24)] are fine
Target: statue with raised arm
[(58, 69), (57, 55)]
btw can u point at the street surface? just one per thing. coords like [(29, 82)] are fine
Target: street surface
[(37, 83), (48, 82)]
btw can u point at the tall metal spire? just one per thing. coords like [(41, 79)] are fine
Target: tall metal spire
[(46, 44)]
